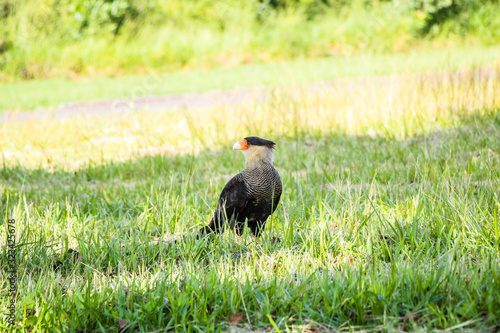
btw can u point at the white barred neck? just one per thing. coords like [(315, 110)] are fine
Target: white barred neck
[(257, 156)]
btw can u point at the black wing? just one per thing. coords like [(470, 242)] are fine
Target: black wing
[(232, 201)]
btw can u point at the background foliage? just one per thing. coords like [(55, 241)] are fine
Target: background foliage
[(60, 38)]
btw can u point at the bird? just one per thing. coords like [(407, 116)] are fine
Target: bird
[(252, 195)]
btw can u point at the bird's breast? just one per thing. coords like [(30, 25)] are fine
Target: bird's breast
[(262, 183)]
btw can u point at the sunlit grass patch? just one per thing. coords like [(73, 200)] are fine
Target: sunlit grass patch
[(401, 107)]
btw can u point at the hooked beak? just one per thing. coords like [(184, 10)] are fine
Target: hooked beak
[(241, 145)]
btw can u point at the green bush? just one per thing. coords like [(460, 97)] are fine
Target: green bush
[(437, 13), (311, 8), (111, 14), (5, 8)]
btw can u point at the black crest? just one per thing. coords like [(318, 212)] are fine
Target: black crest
[(255, 141)]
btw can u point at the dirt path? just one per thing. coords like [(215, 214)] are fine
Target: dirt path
[(147, 103), (168, 102)]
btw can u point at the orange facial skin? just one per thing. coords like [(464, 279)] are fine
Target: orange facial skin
[(243, 144)]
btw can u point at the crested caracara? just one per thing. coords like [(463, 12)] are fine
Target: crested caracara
[(250, 196)]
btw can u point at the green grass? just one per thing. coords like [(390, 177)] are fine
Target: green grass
[(388, 220), (44, 93)]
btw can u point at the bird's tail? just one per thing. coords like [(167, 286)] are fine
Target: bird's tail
[(216, 225)]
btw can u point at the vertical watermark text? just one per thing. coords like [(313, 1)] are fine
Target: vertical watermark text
[(11, 270)]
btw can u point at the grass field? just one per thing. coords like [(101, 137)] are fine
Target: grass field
[(389, 218), (28, 95)]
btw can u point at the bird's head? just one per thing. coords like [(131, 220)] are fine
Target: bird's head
[(256, 150)]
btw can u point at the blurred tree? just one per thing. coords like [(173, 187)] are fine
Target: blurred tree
[(6, 7), (95, 15), (437, 12), (311, 8)]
